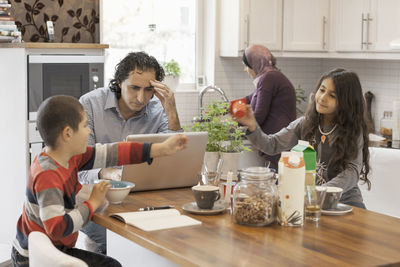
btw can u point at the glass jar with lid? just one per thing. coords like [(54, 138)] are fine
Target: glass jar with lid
[(255, 197)]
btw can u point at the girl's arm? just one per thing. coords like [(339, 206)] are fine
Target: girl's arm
[(283, 140), (349, 178)]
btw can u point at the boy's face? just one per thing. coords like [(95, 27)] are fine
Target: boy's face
[(136, 90), (79, 139)]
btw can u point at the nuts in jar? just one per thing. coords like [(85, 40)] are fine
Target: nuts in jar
[(254, 210)]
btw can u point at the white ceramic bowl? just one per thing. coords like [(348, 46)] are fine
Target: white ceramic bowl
[(118, 191)]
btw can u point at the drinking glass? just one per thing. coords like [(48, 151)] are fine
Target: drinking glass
[(314, 198), (210, 176)]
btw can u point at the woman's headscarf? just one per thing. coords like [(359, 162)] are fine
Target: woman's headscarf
[(259, 59)]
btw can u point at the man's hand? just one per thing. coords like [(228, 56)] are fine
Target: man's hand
[(111, 174), (170, 146), (167, 99)]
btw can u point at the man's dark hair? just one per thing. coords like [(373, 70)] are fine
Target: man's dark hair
[(56, 113), (133, 61)]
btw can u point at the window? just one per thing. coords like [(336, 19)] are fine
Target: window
[(163, 29)]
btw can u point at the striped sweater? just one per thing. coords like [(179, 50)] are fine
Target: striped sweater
[(50, 205)]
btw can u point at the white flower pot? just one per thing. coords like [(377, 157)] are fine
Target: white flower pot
[(211, 161), (231, 162)]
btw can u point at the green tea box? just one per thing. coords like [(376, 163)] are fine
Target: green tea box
[(310, 159)]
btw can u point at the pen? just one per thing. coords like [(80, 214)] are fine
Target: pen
[(156, 208)]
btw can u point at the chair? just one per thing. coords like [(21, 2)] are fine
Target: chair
[(42, 253), (384, 196)]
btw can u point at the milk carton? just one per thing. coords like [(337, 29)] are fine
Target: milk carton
[(310, 160), (291, 189)]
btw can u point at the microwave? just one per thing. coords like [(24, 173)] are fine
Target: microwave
[(67, 74)]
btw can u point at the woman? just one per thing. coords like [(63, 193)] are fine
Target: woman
[(274, 100)]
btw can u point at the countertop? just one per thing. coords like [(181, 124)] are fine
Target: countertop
[(361, 237), (55, 45)]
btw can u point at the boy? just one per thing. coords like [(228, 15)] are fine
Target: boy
[(50, 205)]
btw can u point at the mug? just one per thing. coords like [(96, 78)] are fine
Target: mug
[(238, 107), (332, 197), (206, 195)]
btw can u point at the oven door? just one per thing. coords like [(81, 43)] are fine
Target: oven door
[(50, 75)]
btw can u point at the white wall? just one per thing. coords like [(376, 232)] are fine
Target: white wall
[(13, 140), (381, 77)]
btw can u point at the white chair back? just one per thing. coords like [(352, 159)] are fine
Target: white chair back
[(42, 253), (384, 196)]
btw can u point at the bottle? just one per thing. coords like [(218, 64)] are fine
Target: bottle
[(386, 125), (255, 197)]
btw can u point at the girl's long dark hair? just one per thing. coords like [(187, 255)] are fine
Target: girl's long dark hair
[(350, 117)]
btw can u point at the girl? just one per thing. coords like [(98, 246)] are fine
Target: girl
[(335, 125), (274, 99)]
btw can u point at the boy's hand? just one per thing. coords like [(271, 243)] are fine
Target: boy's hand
[(98, 194), (249, 120), (170, 146)]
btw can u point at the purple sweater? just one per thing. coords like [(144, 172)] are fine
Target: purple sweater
[(274, 105)]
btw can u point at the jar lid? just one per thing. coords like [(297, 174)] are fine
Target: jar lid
[(257, 173)]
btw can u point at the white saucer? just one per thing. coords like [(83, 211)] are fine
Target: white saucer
[(340, 210), (192, 208)]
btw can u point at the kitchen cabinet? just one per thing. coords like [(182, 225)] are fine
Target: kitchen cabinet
[(306, 25), (247, 22), (366, 25)]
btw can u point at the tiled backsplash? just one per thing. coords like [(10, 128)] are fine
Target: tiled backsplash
[(381, 77)]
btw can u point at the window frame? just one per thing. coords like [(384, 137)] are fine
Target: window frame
[(199, 28)]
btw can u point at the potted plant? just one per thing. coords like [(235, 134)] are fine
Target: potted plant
[(225, 137), (172, 72)]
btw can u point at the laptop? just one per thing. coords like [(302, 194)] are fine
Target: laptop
[(178, 170)]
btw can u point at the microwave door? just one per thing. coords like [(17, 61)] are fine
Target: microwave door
[(65, 79)]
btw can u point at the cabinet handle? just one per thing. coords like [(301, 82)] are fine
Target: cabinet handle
[(323, 32), (368, 20), (247, 42), (362, 30)]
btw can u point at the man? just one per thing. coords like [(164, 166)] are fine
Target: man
[(127, 106)]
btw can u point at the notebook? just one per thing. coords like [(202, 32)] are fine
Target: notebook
[(178, 170), (155, 219)]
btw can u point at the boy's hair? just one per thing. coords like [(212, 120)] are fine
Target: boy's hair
[(350, 116), (56, 113), (133, 61)]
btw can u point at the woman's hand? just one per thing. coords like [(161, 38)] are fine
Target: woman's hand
[(248, 120), (170, 146), (98, 194)]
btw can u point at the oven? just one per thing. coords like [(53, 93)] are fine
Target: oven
[(59, 74)]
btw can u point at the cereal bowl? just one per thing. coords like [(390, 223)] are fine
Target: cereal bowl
[(118, 191)]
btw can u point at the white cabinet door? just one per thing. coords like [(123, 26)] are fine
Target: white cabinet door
[(305, 25), (385, 26), (352, 24), (265, 23), (245, 22)]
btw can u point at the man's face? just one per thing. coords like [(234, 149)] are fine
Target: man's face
[(136, 90)]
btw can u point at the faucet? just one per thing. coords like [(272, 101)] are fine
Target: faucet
[(211, 88)]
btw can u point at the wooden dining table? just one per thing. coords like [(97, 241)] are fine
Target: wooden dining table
[(361, 237)]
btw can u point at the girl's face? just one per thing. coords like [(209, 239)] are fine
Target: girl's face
[(325, 98)]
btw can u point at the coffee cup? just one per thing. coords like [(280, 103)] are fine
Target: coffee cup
[(332, 197), (206, 195), (238, 107)]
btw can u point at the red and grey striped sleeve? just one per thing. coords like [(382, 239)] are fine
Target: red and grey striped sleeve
[(115, 154)]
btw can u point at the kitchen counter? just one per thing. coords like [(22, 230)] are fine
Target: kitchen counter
[(55, 45)]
